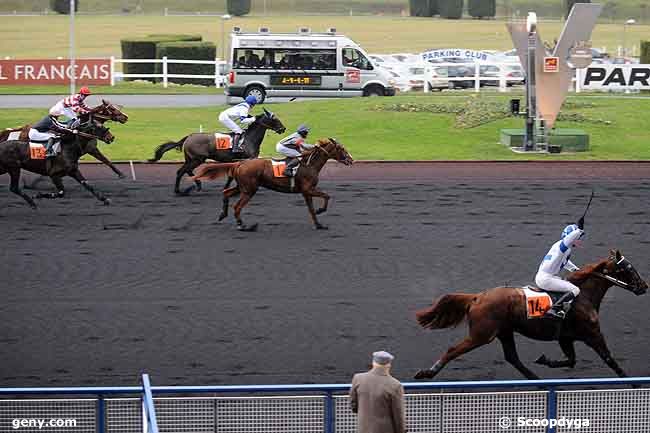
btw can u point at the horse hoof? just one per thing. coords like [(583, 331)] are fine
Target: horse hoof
[(320, 211), (541, 360), (222, 215), (244, 228), (423, 374), (321, 227), (121, 176), (107, 201)]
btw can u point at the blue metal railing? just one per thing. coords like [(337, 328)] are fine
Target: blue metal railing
[(327, 391)]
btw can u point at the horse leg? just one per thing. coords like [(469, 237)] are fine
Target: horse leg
[(227, 193), (98, 155), (76, 175), (468, 344), (510, 352), (59, 193), (597, 342), (310, 205), (324, 196), (244, 198), (569, 350), (228, 182), (14, 173)]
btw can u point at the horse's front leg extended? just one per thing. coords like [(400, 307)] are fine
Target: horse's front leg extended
[(76, 175), (98, 155), (227, 193), (310, 205), (597, 342)]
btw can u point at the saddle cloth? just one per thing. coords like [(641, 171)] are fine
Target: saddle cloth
[(14, 135), (278, 167), (222, 141), (36, 151), (539, 302)]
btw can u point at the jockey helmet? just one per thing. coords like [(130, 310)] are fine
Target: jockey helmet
[(568, 229), (84, 91), (251, 100), (303, 130)]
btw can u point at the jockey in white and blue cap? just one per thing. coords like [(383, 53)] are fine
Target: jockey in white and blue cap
[(554, 261), (240, 114)]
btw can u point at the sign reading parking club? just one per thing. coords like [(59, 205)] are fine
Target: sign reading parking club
[(25, 72)]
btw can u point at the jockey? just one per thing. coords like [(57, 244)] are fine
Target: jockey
[(46, 129), (71, 106), (557, 258), (292, 147), (238, 112)]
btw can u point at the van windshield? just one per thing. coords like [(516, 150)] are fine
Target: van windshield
[(284, 58)]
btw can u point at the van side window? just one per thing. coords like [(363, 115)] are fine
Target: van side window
[(354, 59), (285, 58)]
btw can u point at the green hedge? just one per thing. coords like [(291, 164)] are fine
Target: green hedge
[(145, 48), (63, 6), (239, 7), (645, 53), (482, 8), (187, 51), (569, 5), (451, 9)]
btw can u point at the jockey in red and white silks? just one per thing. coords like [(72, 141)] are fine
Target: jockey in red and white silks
[(71, 106)]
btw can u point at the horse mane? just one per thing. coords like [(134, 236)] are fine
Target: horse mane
[(579, 276), (309, 152)]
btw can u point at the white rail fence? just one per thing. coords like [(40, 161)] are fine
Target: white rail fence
[(217, 76)]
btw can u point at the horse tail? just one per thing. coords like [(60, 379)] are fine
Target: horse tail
[(160, 150), (214, 170), (450, 310)]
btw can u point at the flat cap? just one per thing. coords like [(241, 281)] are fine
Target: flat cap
[(382, 357)]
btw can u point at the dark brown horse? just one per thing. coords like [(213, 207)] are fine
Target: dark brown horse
[(105, 111), (251, 174), (199, 147), (500, 312), (15, 155)]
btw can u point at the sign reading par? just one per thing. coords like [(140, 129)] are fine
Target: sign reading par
[(616, 77), (87, 71)]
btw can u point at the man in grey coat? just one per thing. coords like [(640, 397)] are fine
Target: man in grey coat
[(378, 398)]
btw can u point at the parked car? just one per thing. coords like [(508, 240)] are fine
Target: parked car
[(398, 81), (513, 73), (416, 77), (438, 77)]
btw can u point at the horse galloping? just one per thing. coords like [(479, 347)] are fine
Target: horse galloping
[(198, 147), (17, 155), (104, 112), (502, 311), (251, 174)]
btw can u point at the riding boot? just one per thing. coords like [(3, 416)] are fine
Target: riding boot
[(236, 148), (561, 307), (292, 164), (49, 148)]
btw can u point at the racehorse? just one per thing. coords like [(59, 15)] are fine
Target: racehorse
[(499, 312), (16, 155), (198, 147), (105, 111), (253, 173)]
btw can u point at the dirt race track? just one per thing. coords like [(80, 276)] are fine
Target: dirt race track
[(97, 295)]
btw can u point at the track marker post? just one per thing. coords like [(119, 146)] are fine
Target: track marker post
[(132, 169)]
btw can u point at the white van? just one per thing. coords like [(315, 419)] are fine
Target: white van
[(302, 64)]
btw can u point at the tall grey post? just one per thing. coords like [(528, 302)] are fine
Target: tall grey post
[(546, 88)]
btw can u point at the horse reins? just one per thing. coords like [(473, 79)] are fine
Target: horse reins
[(308, 162), (613, 280)]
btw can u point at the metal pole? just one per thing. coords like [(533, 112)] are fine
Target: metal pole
[(531, 106), (72, 62), (223, 38)]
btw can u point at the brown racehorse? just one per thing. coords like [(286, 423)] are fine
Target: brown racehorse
[(105, 111), (500, 312), (251, 174)]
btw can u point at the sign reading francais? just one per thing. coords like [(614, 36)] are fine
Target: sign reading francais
[(45, 71)]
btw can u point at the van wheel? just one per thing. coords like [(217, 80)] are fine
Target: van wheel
[(256, 91), (373, 91)]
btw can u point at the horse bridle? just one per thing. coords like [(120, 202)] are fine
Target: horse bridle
[(267, 126), (329, 155), (616, 281)]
